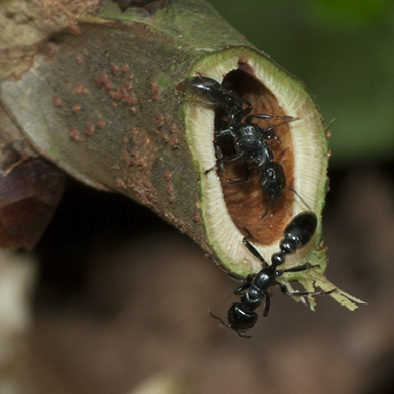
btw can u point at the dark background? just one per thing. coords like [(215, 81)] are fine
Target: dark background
[(123, 297)]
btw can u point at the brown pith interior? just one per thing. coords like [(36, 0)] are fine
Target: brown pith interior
[(246, 202)]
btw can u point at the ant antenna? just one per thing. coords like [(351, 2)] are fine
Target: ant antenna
[(287, 121), (298, 195), (271, 200)]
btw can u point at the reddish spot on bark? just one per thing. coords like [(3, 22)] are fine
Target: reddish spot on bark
[(181, 227), (78, 59), (101, 123), (80, 89), (76, 108), (102, 80), (133, 157), (128, 85), (159, 119), (170, 191), (197, 217), (74, 135), (173, 128), (154, 90), (48, 49), (174, 142), (114, 95), (88, 129), (125, 67), (133, 110), (57, 101), (109, 86), (128, 99), (167, 175), (120, 184), (130, 76), (114, 69), (167, 119), (134, 131)]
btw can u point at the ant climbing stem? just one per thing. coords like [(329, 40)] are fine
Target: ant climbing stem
[(255, 290)]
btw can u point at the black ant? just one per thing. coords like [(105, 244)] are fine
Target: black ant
[(211, 92), (250, 141), (255, 291), (255, 151)]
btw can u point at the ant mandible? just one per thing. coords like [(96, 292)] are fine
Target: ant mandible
[(255, 291)]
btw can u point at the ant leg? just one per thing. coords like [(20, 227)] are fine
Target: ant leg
[(254, 251), (267, 305), (222, 133), (302, 200), (243, 335), (267, 209), (220, 159), (239, 332), (241, 288), (218, 318), (299, 268), (237, 117), (249, 279), (234, 157), (236, 181), (286, 291), (240, 180), (264, 116)]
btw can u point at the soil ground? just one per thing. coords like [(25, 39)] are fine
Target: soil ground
[(123, 297)]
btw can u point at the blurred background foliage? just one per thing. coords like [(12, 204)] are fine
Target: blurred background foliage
[(344, 52)]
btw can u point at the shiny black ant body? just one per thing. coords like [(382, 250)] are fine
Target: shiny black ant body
[(255, 291), (211, 92), (249, 140)]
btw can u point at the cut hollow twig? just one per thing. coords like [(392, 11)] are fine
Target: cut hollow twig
[(111, 107)]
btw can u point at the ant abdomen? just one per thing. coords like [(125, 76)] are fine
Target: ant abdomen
[(298, 232), (241, 319)]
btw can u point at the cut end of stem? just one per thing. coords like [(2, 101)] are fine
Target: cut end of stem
[(231, 211)]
